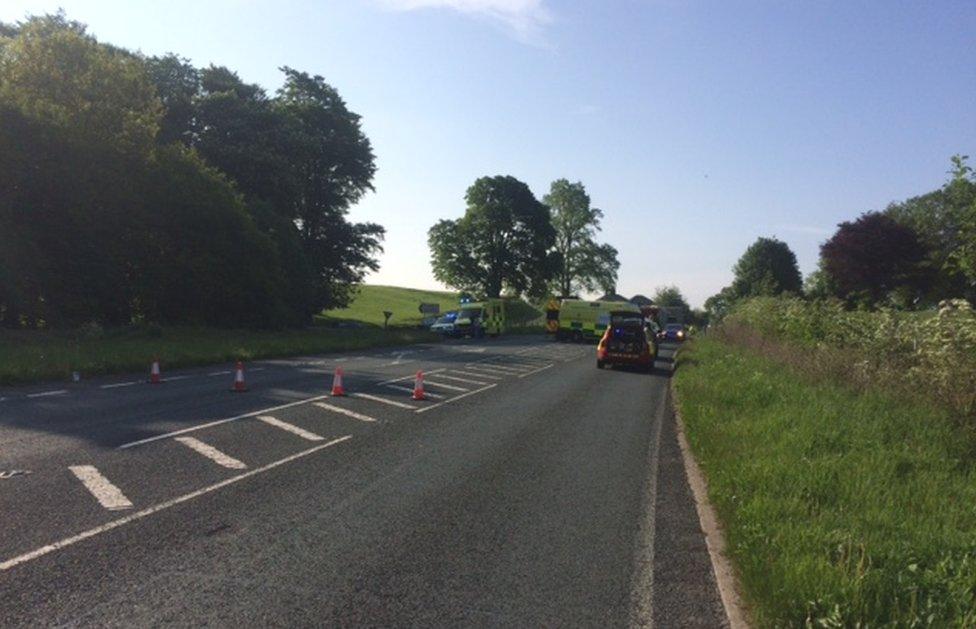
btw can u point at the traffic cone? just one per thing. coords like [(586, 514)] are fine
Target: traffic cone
[(239, 386), (337, 389), (154, 376), (418, 387)]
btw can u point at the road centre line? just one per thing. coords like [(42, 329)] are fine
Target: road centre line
[(218, 422), (468, 380), (346, 412), (220, 373), (211, 453), (174, 378), (383, 400), (436, 396), (549, 366), (48, 393), (453, 399), (119, 384), (410, 377), (449, 387), (107, 494), (74, 539), (295, 430), (477, 375)]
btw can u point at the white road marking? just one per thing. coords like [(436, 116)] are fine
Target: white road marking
[(98, 530), (410, 390), (489, 369), (48, 393), (346, 412), (536, 371), (301, 432), (211, 453), (478, 375), (453, 399), (468, 380), (383, 400), (507, 367), (220, 373), (399, 362), (410, 377), (110, 496), (257, 368), (221, 421), (449, 387), (336, 360), (119, 384), (175, 378)]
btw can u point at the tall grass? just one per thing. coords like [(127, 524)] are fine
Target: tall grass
[(843, 507)]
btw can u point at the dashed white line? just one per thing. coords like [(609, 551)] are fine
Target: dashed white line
[(119, 384), (74, 539), (468, 380), (383, 400), (110, 496), (409, 390), (454, 399), (346, 412), (301, 432), (48, 393), (211, 453), (175, 378), (220, 373)]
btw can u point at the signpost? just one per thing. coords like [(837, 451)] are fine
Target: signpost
[(430, 309)]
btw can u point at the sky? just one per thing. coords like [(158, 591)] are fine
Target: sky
[(696, 126)]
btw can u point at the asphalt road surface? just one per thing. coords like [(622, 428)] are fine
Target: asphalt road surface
[(534, 489)]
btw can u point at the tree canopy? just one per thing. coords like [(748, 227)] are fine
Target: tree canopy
[(768, 267), (582, 265), (504, 241), (670, 297)]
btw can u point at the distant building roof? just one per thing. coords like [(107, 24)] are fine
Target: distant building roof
[(641, 300), (613, 297)]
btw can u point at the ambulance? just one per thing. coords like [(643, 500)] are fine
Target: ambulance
[(581, 320), (477, 318)]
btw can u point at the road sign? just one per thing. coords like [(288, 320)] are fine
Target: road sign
[(430, 309)]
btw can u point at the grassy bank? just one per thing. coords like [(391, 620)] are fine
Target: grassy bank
[(842, 507), (371, 301), (30, 356)]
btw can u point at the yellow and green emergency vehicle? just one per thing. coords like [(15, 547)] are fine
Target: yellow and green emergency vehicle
[(477, 318), (587, 320)]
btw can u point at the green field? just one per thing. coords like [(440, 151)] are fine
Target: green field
[(841, 509), (371, 301)]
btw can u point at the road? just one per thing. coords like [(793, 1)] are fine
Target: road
[(533, 490)]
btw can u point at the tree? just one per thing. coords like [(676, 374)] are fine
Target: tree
[(582, 264), (869, 259), (504, 241), (720, 304), (960, 193), (669, 297), (768, 267)]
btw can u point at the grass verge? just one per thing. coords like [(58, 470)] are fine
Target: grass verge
[(31, 356), (370, 302), (841, 508)]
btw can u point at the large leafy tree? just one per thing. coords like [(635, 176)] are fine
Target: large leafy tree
[(768, 267), (582, 264), (874, 259), (670, 297), (504, 241)]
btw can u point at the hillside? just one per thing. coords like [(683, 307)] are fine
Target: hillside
[(369, 304)]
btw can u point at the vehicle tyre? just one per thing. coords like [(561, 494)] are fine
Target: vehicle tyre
[(577, 336), (599, 364)]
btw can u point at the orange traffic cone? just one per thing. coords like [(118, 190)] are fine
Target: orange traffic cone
[(154, 376), (239, 386), (337, 389), (418, 387)]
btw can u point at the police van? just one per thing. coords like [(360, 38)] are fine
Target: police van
[(581, 320)]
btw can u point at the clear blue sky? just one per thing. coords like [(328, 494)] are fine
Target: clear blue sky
[(696, 126)]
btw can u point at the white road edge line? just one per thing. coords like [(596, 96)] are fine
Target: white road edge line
[(119, 384), (453, 399), (346, 412), (48, 393), (107, 494), (468, 380), (74, 539), (449, 387), (410, 377), (295, 430), (174, 378), (436, 396), (549, 366), (383, 400), (220, 373), (211, 453), (218, 422)]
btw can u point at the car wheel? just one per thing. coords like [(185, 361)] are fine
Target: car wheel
[(577, 337), (599, 364)]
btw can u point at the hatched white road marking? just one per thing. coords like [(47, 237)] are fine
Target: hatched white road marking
[(301, 432), (114, 524), (410, 390), (507, 367), (119, 384), (468, 380), (490, 369), (454, 399), (449, 387), (478, 375), (346, 412), (110, 496), (383, 400), (410, 377), (211, 453), (536, 371), (48, 393)]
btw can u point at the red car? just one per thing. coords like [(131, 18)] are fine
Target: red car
[(627, 341)]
